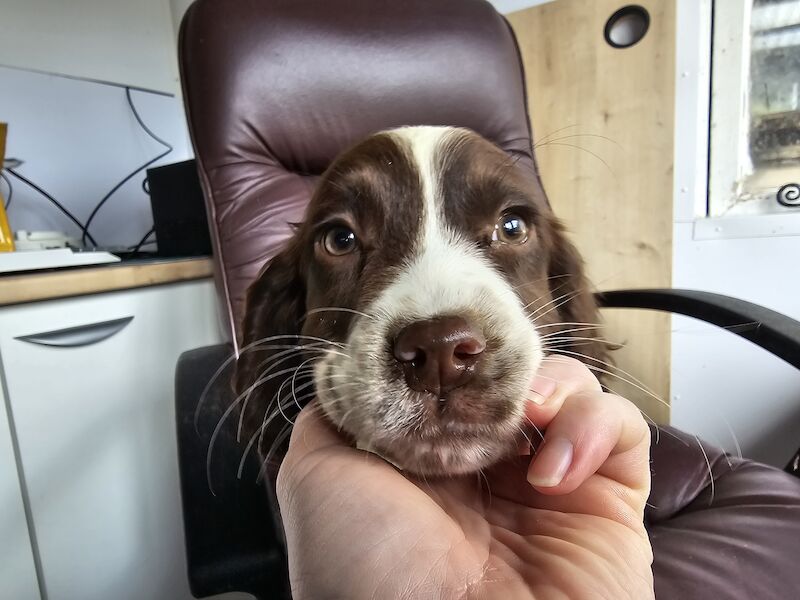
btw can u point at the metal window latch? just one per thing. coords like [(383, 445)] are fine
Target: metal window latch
[(789, 195)]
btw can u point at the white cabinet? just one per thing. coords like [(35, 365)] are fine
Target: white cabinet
[(17, 570), (95, 427)]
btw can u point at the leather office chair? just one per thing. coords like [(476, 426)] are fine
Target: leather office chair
[(274, 90)]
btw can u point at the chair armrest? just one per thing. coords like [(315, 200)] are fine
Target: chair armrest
[(766, 328), (231, 539)]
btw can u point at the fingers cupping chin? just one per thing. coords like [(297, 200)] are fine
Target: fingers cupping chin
[(557, 379), (578, 440), (586, 431)]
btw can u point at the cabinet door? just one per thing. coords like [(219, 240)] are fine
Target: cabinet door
[(17, 571), (96, 431)]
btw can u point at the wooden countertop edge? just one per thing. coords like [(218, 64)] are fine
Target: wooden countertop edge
[(18, 289)]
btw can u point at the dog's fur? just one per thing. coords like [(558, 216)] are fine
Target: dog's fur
[(423, 203)]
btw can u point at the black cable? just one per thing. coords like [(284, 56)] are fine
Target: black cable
[(10, 189), (58, 205), (129, 176), (143, 241)]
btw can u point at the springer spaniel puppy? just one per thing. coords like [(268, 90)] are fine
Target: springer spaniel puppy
[(415, 302)]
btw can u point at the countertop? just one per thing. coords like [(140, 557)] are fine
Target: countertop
[(64, 283)]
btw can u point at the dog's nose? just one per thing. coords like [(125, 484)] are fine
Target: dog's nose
[(438, 355)]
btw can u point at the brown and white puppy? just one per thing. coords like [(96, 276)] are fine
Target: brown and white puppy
[(421, 288)]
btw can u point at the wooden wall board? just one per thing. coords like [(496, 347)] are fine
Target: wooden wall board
[(603, 119)]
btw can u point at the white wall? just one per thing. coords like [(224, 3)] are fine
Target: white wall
[(107, 40), (177, 8), (77, 134), (507, 6), (724, 388), (723, 385), (78, 139)]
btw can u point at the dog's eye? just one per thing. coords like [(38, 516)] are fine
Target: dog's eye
[(339, 241), (510, 229)]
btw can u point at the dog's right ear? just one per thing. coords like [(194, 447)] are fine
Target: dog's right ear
[(275, 306)]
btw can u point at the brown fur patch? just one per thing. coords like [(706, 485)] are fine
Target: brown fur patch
[(374, 189)]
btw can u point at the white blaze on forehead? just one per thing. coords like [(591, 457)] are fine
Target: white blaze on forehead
[(446, 273), (423, 143)]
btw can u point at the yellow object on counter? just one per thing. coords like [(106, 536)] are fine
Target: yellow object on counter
[(6, 240)]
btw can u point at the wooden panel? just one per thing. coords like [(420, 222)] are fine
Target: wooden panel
[(604, 128), (17, 289)]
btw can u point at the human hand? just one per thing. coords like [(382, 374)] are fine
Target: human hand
[(565, 523)]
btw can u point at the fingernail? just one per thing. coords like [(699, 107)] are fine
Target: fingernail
[(551, 463), (542, 388)]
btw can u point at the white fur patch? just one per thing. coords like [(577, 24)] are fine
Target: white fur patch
[(448, 275), (445, 275)]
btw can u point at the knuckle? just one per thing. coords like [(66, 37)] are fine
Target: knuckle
[(634, 420)]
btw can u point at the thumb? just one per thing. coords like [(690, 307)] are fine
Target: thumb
[(312, 432)]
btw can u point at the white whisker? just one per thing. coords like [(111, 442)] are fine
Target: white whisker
[(631, 380), (710, 471), (568, 323), (225, 415), (569, 297), (338, 309), (250, 346)]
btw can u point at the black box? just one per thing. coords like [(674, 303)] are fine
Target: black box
[(179, 210)]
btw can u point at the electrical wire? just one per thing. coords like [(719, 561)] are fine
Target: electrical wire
[(10, 189), (58, 205), (127, 178), (144, 241)]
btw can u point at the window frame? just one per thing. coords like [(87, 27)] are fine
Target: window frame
[(730, 168)]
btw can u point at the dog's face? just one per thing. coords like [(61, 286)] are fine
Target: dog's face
[(424, 282)]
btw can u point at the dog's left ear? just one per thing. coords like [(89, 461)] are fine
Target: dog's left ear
[(568, 281)]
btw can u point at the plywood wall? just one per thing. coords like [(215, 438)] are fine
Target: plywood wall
[(603, 119)]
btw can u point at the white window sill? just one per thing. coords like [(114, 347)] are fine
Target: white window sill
[(747, 226)]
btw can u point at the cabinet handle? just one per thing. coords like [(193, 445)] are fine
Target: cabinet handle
[(83, 335)]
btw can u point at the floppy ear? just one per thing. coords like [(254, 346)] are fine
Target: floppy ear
[(568, 280), (274, 307)]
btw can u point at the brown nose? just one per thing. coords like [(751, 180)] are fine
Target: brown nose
[(438, 355)]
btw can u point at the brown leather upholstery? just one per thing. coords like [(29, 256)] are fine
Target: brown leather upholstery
[(738, 539), (274, 89)]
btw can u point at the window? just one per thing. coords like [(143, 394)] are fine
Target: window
[(755, 108)]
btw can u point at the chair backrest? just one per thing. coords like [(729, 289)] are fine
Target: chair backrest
[(276, 89)]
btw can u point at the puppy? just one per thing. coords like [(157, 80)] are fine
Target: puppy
[(416, 301)]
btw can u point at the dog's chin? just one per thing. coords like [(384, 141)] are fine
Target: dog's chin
[(451, 450), (411, 433)]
